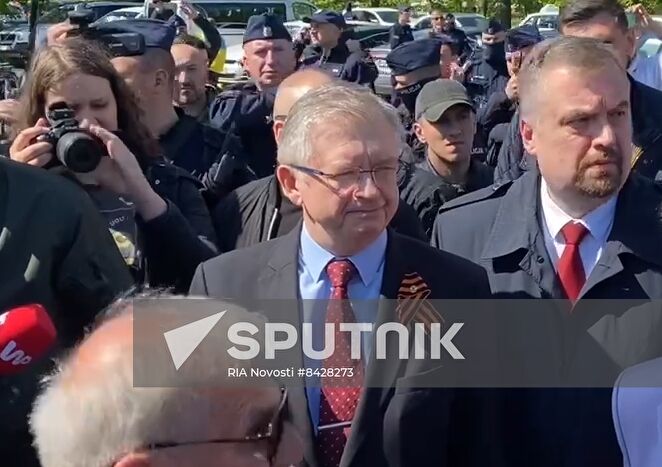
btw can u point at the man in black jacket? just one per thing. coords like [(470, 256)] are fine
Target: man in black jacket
[(245, 109), (400, 32), (502, 104), (55, 250), (445, 125), (604, 20), (259, 211), (581, 229), (330, 53), (197, 148)]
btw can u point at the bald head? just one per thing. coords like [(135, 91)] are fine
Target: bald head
[(295, 86), (119, 394), (292, 89)]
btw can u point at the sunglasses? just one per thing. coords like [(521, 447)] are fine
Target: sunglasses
[(272, 433)]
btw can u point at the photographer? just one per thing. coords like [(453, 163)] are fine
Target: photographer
[(153, 209)]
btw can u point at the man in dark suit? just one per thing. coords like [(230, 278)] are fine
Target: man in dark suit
[(338, 154), (583, 228)]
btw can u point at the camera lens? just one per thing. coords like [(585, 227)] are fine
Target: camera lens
[(79, 151)]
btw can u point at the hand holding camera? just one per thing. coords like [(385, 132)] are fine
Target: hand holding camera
[(28, 150)]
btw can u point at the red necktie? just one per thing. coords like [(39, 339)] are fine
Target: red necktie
[(339, 396), (570, 268)]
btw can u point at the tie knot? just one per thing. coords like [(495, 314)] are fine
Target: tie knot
[(573, 233), (340, 272)]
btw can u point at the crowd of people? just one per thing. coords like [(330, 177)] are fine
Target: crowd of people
[(521, 169)]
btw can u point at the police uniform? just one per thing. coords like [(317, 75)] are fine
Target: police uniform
[(356, 67), (189, 144), (499, 109), (400, 33), (406, 59), (457, 35), (246, 111), (420, 185), (489, 73)]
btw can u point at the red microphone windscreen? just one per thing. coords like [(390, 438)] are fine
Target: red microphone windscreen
[(26, 334)]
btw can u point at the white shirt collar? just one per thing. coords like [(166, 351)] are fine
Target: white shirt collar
[(598, 222)]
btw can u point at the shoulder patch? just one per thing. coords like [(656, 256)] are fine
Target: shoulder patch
[(490, 192)]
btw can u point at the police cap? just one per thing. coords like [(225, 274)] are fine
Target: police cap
[(494, 27), (437, 96), (265, 27), (326, 16), (522, 37), (157, 34), (414, 55)]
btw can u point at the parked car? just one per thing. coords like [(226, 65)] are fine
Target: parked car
[(381, 16), (14, 40), (131, 12)]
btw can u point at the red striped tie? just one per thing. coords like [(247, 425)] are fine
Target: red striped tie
[(339, 396), (570, 268)]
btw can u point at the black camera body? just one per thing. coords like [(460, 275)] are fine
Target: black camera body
[(76, 149)]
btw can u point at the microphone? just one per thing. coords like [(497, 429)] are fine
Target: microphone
[(26, 334)]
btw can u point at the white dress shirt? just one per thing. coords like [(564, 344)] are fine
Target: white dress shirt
[(598, 222)]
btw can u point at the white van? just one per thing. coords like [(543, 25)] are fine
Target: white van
[(231, 16)]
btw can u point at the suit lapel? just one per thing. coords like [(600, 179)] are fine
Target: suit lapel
[(517, 235), (635, 207), (279, 283)]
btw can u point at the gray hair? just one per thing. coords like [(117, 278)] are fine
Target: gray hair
[(580, 53), (94, 420), (330, 104)]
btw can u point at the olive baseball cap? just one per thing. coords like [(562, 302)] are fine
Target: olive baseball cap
[(438, 96)]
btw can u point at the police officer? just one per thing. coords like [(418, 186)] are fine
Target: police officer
[(245, 109), (189, 144), (445, 125), (458, 35), (489, 74), (493, 118), (412, 65), (330, 53), (401, 32)]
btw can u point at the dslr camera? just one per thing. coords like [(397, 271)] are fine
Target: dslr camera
[(75, 148)]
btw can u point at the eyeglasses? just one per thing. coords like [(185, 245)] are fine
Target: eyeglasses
[(352, 178), (271, 433)]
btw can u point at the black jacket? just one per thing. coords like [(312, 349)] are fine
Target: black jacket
[(355, 67), (254, 213), (245, 111), (425, 191), (182, 237), (213, 156), (500, 230), (646, 105), (76, 273), (399, 34)]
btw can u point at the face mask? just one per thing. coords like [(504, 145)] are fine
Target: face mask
[(494, 53), (409, 94)]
